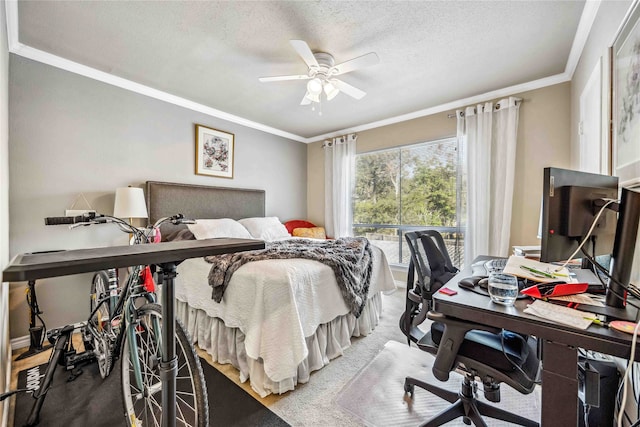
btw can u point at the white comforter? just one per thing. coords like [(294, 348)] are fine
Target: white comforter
[(276, 304)]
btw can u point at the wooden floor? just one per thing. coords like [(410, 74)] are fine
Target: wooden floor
[(29, 362), (234, 375), (38, 359)]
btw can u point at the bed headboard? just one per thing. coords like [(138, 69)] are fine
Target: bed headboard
[(202, 201)]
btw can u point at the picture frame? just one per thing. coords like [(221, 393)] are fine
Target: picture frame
[(625, 100), (215, 151)]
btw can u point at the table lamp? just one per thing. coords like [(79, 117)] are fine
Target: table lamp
[(130, 203)]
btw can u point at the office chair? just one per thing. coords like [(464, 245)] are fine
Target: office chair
[(480, 351)]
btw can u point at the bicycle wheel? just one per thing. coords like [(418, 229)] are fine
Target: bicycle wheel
[(100, 321), (99, 290), (143, 406)]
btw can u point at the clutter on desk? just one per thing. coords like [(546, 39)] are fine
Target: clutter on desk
[(479, 284), (557, 313), (537, 271), (447, 291), (527, 251), (623, 326), (555, 289), (580, 299)]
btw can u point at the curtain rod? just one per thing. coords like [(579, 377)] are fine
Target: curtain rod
[(452, 115)]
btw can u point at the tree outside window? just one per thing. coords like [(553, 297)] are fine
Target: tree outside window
[(408, 188)]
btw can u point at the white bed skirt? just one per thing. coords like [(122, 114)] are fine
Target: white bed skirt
[(226, 345)]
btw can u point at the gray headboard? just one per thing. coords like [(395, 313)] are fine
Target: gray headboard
[(202, 201)]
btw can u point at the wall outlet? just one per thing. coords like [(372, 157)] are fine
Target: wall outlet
[(77, 212)]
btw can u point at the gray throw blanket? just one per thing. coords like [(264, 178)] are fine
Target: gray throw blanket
[(349, 257)]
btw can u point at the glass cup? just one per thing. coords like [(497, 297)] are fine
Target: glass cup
[(503, 288)]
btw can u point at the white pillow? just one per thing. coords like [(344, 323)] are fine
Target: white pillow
[(267, 228), (223, 227)]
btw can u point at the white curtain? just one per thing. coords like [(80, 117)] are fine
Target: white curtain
[(339, 176), (488, 139)]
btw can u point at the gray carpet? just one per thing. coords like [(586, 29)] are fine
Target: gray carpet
[(365, 385), (314, 403), (376, 395)]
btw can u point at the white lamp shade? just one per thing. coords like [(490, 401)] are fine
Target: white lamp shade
[(314, 86), (330, 90), (130, 203)]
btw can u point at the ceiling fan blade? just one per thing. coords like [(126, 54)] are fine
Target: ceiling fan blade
[(305, 100), (360, 62), (282, 78), (305, 53), (354, 92)]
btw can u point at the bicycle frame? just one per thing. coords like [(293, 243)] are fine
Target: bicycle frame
[(125, 310)]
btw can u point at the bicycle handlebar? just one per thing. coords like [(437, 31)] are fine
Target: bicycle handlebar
[(92, 218), (64, 220)]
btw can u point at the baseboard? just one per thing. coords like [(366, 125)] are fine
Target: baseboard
[(20, 342)]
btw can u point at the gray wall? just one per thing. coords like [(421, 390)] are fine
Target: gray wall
[(5, 348), (605, 27), (70, 134)]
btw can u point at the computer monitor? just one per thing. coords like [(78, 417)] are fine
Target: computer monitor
[(570, 202), (624, 247)]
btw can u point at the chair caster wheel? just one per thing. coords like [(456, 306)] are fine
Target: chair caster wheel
[(409, 388), (466, 420)]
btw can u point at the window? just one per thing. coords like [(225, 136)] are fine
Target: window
[(409, 188)]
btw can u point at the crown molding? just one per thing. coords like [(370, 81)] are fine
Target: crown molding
[(11, 14), (507, 91), (582, 34), (83, 70), (584, 27)]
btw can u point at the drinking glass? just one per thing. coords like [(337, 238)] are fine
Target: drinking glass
[(503, 288)]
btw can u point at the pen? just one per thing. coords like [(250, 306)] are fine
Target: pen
[(538, 272), (597, 321)]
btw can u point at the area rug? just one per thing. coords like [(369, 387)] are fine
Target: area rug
[(376, 395), (91, 401)]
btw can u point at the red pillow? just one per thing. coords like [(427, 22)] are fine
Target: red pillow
[(297, 223)]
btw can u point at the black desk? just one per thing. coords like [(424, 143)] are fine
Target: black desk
[(165, 255), (560, 348)]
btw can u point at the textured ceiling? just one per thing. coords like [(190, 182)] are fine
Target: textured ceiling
[(431, 52)]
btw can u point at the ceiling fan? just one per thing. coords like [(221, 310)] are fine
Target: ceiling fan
[(322, 72)]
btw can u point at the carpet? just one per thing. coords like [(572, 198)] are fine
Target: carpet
[(90, 400), (376, 395)]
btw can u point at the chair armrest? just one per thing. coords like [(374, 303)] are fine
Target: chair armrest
[(452, 337)]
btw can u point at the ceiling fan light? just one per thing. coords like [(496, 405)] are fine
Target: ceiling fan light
[(314, 86), (330, 90), (313, 97)]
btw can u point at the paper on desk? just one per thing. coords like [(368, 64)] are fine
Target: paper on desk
[(585, 299), (514, 264), (557, 313)]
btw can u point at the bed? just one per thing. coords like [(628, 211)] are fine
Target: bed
[(280, 319)]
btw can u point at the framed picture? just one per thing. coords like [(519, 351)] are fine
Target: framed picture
[(625, 76), (214, 152)]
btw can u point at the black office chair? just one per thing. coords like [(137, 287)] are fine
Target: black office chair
[(493, 355)]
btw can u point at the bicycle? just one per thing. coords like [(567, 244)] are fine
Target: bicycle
[(125, 323)]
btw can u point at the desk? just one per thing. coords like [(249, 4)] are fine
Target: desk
[(560, 348), (30, 267)]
